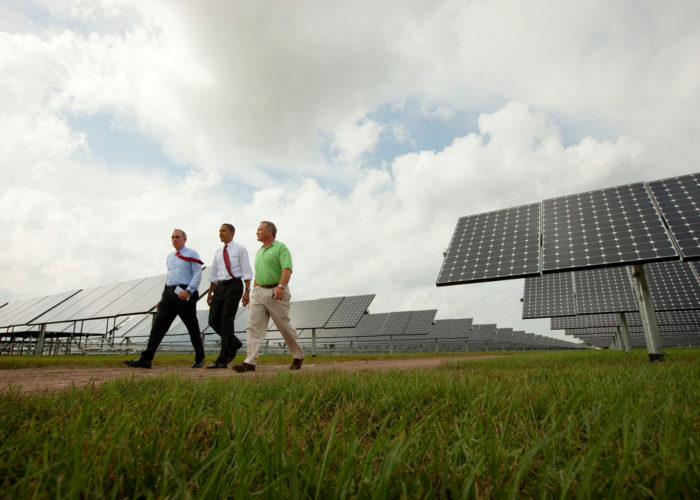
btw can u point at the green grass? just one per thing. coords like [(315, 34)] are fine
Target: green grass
[(575, 425), (112, 360)]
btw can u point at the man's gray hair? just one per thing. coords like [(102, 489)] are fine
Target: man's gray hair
[(271, 226), (184, 235)]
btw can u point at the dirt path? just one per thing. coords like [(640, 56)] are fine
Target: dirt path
[(28, 380)]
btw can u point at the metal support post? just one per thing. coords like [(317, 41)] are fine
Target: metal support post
[(313, 342), (646, 311), (40, 341), (436, 346), (625, 333), (391, 345)]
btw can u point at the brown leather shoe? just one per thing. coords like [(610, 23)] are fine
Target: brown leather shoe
[(244, 367), (296, 364)]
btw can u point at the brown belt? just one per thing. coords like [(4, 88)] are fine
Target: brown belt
[(270, 286)]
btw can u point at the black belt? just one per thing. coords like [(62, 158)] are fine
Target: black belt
[(226, 282), (270, 286), (172, 287)]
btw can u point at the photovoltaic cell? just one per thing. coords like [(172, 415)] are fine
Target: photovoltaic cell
[(549, 295), (600, 228), (585, 321), (494, 245), (606, 290), (483, 333), (312, 313), (678, 199)]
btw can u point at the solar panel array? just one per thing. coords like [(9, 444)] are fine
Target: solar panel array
[(601, 228)]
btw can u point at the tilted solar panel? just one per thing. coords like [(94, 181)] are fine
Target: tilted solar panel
[(493, 245), (606, 290), (678, 199), (673, 286), (350, 311), (605, 227), (549, 295)]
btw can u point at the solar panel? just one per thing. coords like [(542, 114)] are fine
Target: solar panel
[(419, 322), (483, 333), (606, 290), (396, 323), (673, 286), (494, 245), (678, 199), (604, 227), (549, 295), (587, 321), (450, 329), (24, 311), (312, 313), (350, 311)]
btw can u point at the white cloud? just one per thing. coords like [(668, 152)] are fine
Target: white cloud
[(354, 138)]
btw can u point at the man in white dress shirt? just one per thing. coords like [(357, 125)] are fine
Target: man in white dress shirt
[(229, 271)]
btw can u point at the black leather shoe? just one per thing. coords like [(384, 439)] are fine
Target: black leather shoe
[(137, 363), (216, 365), (296, 364), (198, 364), (244, 367)]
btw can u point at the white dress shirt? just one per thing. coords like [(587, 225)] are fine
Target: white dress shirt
[(240, 266)]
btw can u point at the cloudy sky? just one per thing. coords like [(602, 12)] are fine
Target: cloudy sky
[(364, 129)]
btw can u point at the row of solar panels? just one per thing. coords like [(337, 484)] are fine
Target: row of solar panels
[(634, 223), (418, 328)]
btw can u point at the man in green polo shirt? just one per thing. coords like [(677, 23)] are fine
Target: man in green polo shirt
[(270, 298)]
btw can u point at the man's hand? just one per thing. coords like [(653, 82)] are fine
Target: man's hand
[(245, 300), (209, 298), (184, 295), (278, 293)]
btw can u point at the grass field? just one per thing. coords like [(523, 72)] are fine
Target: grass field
[(574, 424)]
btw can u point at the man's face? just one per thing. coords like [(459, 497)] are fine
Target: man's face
[(263, 233), (178, 240), (225, 234)]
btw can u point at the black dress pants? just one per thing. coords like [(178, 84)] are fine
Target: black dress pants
[(171, 306), (222, 311)]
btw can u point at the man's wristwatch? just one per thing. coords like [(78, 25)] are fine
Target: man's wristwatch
[(281, 286), (247, 289)]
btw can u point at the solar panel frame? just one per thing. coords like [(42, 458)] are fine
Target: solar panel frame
[(478, 250), (673, 285)]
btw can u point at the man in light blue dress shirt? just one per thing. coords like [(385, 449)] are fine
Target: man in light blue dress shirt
[(179, 299)]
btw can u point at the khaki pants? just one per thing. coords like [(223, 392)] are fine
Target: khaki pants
[(263, 307)]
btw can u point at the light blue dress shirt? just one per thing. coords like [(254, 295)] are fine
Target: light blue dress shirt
[(183, 272)]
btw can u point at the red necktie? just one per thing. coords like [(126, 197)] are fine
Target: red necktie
[(227, 261), (188, 259)]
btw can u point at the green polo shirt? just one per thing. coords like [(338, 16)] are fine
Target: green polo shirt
[(270, 261)]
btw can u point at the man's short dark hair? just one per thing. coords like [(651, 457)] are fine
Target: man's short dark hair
[(184, 236), (229, 227), (271, 227)]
